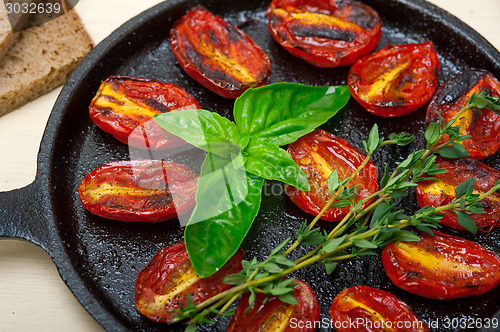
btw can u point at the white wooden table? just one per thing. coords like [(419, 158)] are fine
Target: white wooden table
[(32, 295)]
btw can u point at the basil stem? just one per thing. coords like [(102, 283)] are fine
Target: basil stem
[(241, 155)]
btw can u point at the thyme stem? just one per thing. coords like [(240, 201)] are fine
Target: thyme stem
[(225, 299)]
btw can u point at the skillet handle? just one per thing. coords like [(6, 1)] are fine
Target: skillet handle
[(23, 214)]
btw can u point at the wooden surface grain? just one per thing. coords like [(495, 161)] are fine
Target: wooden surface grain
[(32, 295)]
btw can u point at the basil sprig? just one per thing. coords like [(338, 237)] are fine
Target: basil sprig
[(241, 155)]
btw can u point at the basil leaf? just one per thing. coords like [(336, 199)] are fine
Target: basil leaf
[(283, 112), (227, 202), (203, 128), (273, 163)]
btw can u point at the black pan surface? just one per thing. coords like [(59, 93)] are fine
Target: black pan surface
[(99, 259)]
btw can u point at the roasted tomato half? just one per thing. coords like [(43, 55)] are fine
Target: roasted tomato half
[(395, 80), (318, 154), (442, 192), (218, 55), (378, 310), (484, 125), (325, 33), (275, 315), (162, 286), (125, 107), (139, 190), (442, 267)]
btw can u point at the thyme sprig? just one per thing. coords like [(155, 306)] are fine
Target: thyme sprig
[(367, 226)]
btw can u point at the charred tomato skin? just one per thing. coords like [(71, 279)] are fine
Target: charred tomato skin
[(395, 80), (484, 126), (274, 313), (162, 286), (318, 154), (139, 190), (125, 107), (217, 54), (325, 33), (373, 304), (443, 267), (442, 191)]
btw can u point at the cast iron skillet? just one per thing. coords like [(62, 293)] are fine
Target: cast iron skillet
[(99, 259)]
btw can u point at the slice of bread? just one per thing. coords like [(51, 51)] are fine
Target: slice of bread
[(42, 59), (11, 24), (7, 37)]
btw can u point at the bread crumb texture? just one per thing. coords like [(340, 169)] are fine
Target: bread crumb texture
[(7, 37), (42, 59)]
